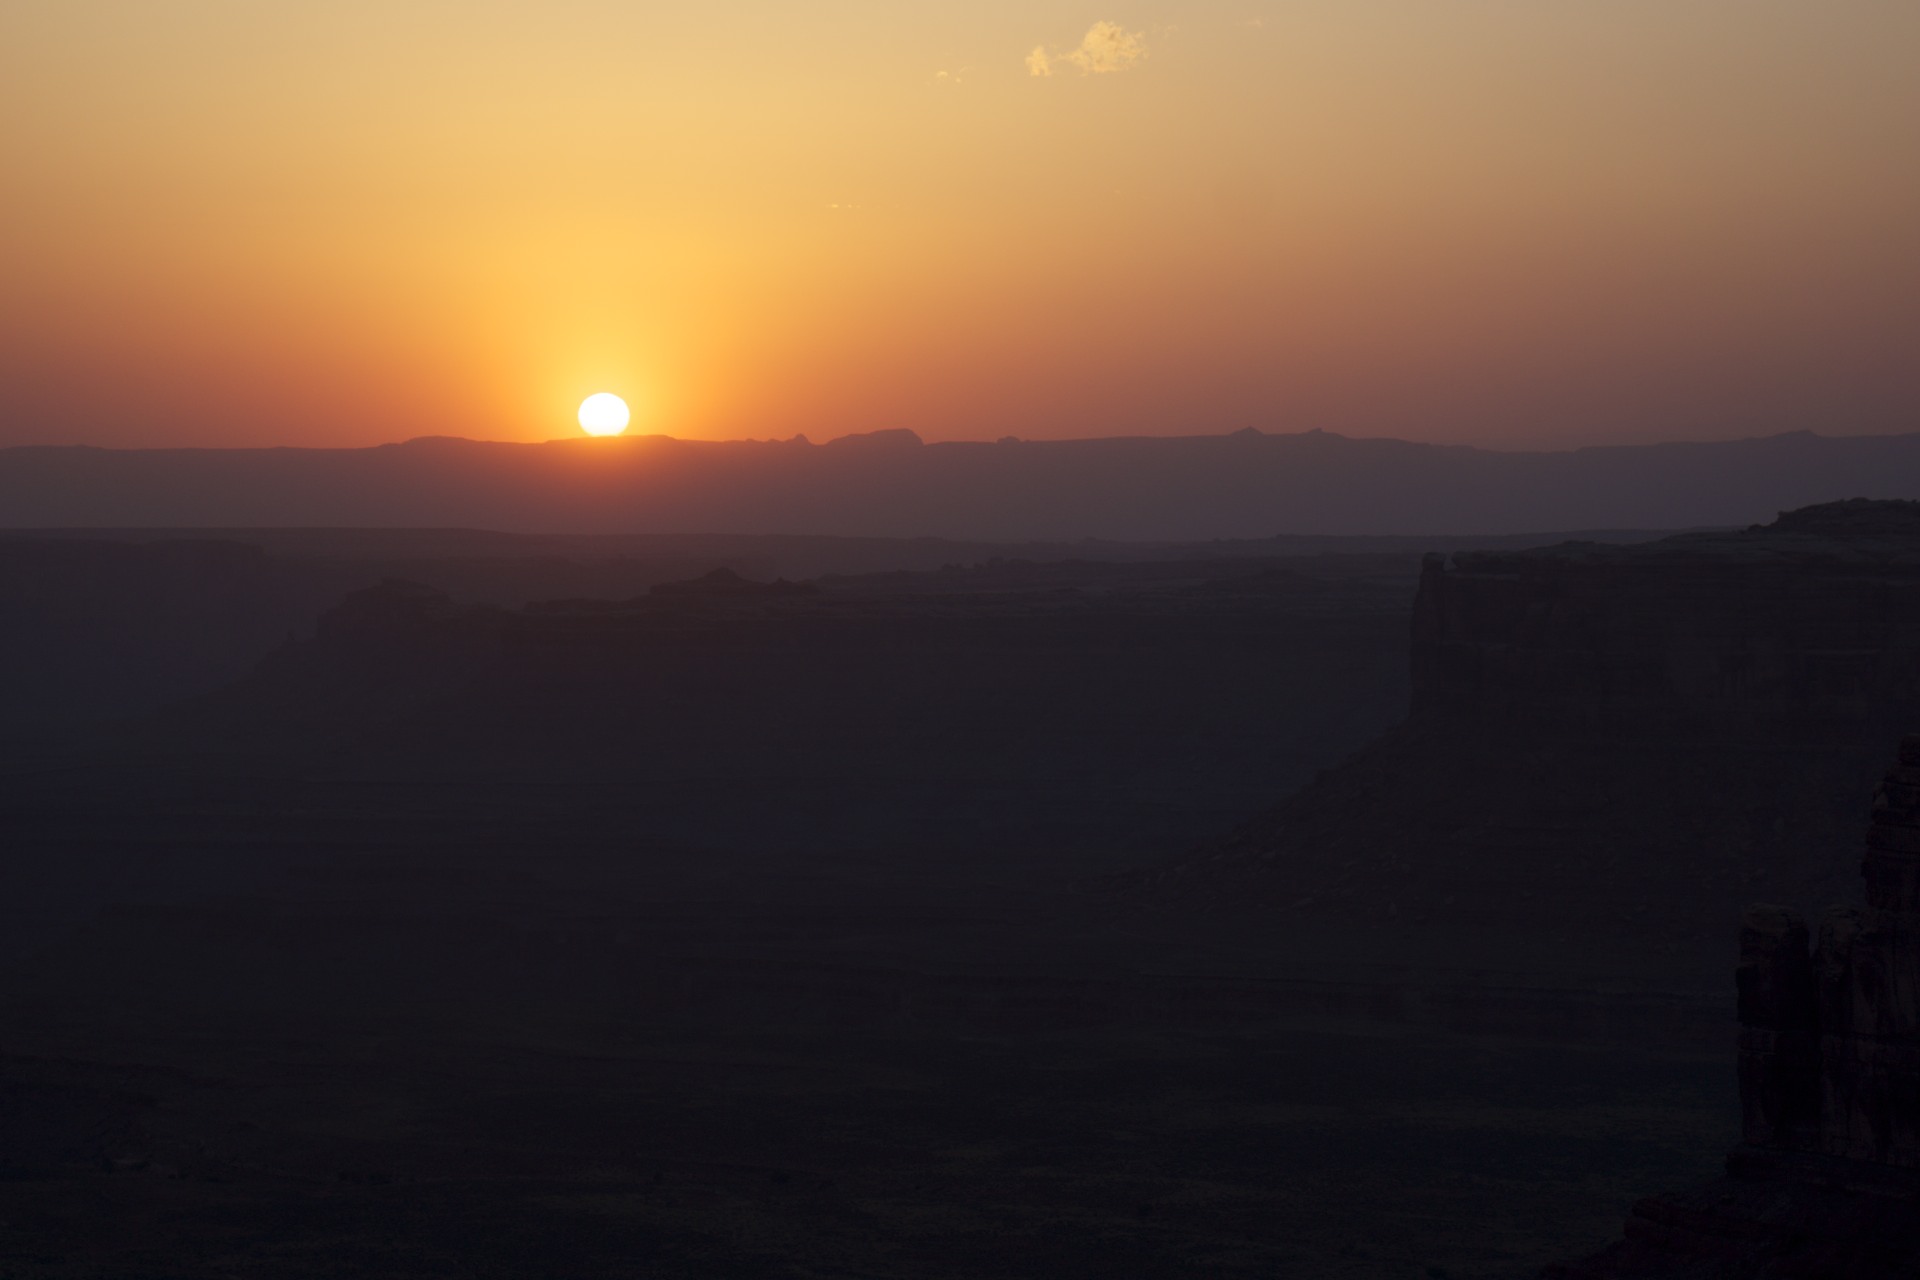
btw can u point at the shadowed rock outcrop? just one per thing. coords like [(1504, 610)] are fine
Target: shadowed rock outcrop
[(1827, 1181), (1608, 751), (1830, 1047), (1804, 630)]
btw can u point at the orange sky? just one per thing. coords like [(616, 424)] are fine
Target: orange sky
[(1507, 223)]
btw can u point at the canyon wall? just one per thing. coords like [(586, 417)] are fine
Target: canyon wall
[(1609, 752), (1807, 632), (1827, 1180), (1830, 1041)]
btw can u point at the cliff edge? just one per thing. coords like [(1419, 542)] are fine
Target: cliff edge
[(1608, 750), (1827, 1180)]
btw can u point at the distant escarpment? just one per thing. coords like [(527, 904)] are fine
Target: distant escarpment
[(1249, 484), (1809, 627), (1609, 750), (1827, 1182)]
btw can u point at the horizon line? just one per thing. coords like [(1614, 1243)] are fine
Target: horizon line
[(906, 437)]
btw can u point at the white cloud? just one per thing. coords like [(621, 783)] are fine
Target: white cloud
[(1106, 47)]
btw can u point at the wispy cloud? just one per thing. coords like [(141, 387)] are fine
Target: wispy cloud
[(1106, 47)]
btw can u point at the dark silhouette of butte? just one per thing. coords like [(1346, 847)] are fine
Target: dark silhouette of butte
[(1827, 1181), (1609, 750)]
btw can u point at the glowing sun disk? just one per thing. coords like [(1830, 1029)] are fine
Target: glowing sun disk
[(604, 414)]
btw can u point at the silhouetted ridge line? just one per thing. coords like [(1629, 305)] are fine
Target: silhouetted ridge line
[(890, 483)]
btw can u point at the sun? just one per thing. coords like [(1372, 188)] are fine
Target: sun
[(604, 414)]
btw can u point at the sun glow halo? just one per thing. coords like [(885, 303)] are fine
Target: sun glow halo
[(604, 414)]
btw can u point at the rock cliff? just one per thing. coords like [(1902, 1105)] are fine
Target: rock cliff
[(1830, 1042), (1827, 1181), (1608, 751), (1807, 628)]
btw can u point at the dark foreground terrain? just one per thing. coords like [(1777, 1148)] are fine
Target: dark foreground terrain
[(882, 925), (784, 1141)]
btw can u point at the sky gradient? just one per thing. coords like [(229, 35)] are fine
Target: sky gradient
[(1499, 222)]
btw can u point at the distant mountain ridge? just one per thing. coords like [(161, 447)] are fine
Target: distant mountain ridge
[(892, 484)]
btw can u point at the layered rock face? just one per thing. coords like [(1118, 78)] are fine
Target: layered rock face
[(1609, 751), (1827, 1183), (1830, 1043), (1808, 627)]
